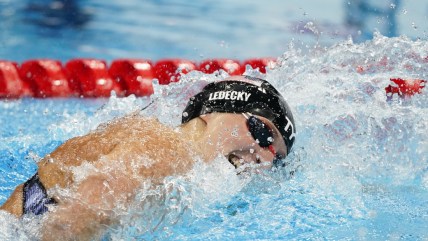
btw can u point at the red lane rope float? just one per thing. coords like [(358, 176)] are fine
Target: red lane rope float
[(134, 76), (11, 85), (91, 78), (168, 70), (404, 88), (233, 67), (261, 64), (94, 78), (46, 78)]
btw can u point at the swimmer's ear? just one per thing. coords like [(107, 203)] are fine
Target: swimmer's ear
[(196, 125), (206, 118), (200, 121)]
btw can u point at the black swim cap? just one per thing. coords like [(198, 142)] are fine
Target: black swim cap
[(240, 94)]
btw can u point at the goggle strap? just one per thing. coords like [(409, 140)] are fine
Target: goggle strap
[(272, 149)]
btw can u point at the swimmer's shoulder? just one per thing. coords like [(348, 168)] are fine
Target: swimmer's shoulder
[(122, 138), (54, 167), (148, 137)]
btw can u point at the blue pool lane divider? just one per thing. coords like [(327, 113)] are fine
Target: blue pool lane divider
[(44, 78)]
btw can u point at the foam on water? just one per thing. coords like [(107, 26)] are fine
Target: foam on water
[(359, 162)]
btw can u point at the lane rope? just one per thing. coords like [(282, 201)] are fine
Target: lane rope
[(45, 78), (41, 78)]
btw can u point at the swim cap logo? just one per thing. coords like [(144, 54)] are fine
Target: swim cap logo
[(230, 95), (290, 125)]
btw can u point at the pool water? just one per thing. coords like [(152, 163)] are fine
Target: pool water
[(154, 29), (360, 161)]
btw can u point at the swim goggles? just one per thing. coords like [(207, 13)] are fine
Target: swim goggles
[(262, 134)]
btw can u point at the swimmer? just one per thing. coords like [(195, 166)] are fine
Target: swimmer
[(242, 118)]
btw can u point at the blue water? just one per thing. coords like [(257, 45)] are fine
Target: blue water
[(175, 28), (360, 161)]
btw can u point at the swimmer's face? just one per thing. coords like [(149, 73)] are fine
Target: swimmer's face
[(229, 135)]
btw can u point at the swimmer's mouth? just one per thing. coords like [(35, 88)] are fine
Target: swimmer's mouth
[(235, 160)]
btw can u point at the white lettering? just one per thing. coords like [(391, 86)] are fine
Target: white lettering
[(227, 96), (221, 95), (216, 94), (240, 96), (289, 124), (247, 96)]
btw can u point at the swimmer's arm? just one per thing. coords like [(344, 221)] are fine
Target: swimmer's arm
[(93, 208), (72, 221), (14, 204)]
